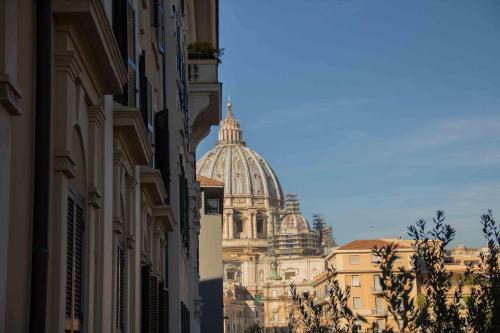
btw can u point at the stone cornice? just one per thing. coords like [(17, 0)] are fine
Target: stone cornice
[(89, 17), (152, 183), (165, 215), (129, 127)]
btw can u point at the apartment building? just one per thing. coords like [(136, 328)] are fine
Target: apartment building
[(358, 268), (102, 105), (211, 267)]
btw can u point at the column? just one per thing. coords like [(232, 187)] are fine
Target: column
[(230, 224), (254, 224)]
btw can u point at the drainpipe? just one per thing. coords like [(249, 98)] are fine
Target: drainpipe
[(42, 174)]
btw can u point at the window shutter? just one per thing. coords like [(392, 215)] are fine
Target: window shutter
[(145, 306), (75, 247), (120, 293), (143, 89), (155, 305), (162, 151), (69, 256), (163, 308), (79, 248), (120, 31)]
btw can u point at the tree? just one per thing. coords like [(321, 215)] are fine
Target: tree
[(306, 315), (441, 307), (436, 311)]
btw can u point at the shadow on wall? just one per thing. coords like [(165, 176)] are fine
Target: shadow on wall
[(212, 311)]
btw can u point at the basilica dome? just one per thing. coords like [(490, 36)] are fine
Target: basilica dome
[(241, 169)]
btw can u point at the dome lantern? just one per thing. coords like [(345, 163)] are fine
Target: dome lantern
[(230, 131)]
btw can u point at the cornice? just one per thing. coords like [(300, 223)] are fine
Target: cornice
[(89, 18), (129, 127)]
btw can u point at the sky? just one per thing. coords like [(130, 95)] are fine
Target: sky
[(376, 113)]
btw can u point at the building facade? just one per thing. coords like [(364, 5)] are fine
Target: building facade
[(102, 105), (210, 249), (358, 268)]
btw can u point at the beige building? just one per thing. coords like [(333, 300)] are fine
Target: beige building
[(358, 268), (102, 105), (210, 249), (266, 241)]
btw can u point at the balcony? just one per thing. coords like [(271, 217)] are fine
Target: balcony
[(376, 291), (204, 97)]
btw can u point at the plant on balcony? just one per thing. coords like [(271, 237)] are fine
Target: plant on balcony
[(204, 50)]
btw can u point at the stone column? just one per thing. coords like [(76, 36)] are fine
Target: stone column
[(225, 219), (230, 224), (254, 224)]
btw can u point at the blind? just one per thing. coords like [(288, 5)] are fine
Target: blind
[(75, 248)]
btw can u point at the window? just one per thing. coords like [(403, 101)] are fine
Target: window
[(289, 275), (356, 303), (260, 223), (158, 23), (377, 285), (239, 226), (274, 293), (230, 275), (146, 99), (354, 260), (381, 325), (75, 249), (212, 206), (379, 305), (124, 29), (355, 281), (375, 259)]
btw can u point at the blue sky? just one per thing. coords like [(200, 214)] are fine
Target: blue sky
[(376, 113)]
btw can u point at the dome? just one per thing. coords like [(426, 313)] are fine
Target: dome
[(293, 222), (241, 169)]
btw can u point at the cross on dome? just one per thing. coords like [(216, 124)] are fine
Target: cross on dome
[(230, 131)]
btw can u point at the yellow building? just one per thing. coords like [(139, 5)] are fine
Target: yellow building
[(358, 268)]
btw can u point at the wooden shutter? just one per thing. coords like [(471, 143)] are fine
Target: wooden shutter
[(146, 99), (120, 288), (145, 306), (155, 305), (163, 308), (162, 151), (120, 31), (75, 249)]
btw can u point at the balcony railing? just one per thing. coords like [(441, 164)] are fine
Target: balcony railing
[(203, 70), (376, 290)]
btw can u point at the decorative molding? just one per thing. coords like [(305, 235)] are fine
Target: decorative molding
[(89, 18), (64, 163), (96, 115), (95, 198), (153, 186), (165, 215), (67, 62), (130, 241), (129, 127), (9, 95)]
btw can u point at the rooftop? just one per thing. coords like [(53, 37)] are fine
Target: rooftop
[(208, 182), (368, 244)]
